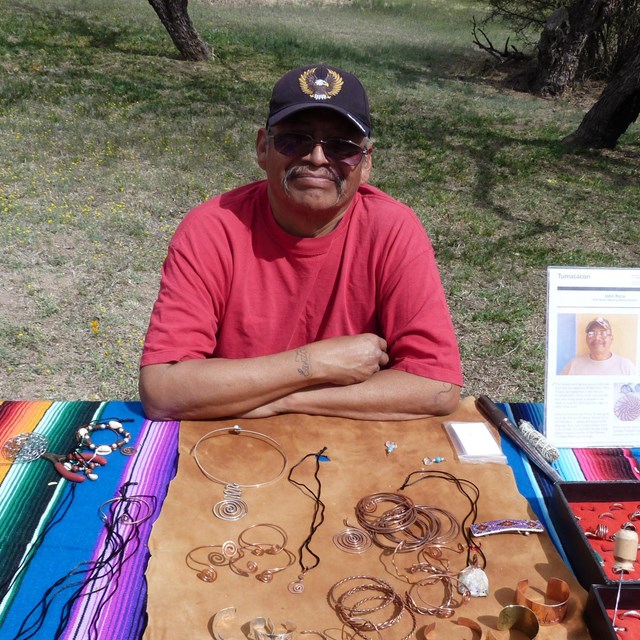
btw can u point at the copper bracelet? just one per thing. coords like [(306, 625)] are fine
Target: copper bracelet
[(260, 548), (547, 614), (484, 634)]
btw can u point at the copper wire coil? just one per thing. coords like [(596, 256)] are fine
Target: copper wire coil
[(411, 538), (443, 536), (449, 601), (412, 525), (427, 530), (251, 567), (230, 509), (352, 540), (258, 548), (401, 514), (354, 614), (192, 560), (371, 596), (297, 586), (205, 570), (233, 565), (333, 594), (265, 576), (208, 575)]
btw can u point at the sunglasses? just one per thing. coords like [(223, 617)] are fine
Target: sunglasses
[(298, 145)]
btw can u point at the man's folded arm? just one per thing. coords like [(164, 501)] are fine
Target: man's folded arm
[(201, 389), (387, 395), (261, 387)]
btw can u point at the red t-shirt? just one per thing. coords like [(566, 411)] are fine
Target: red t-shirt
[(235, 285)]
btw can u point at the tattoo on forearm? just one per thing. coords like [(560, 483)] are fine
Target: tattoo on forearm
[(305, 365), (446, 388)]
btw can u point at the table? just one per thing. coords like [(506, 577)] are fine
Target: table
[(359, 466), (57, 581)]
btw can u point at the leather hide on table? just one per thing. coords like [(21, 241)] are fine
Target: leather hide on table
[(180, 605)]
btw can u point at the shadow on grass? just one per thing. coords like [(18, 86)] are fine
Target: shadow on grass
[(74, 54), (47, 23)]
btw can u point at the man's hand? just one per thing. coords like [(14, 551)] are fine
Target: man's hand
[(344, 360)]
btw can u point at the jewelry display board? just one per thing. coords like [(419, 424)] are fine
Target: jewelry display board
[(361, 458)]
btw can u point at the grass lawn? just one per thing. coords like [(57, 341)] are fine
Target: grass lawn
[(107, 139)]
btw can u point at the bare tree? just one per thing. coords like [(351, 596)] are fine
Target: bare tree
[(174, 16), (563, 40), (578, 39), (615, 110)]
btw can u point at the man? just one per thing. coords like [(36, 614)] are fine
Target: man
[(600, 361), (308, 292)]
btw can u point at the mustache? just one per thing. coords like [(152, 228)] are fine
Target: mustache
[(301, 170)]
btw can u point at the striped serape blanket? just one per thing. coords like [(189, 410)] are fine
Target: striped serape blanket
[(62, 573), (574, 465)]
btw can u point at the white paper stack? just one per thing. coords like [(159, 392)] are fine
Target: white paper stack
[(474, 442)]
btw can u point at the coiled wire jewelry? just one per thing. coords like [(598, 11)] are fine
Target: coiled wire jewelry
[(206, 571), (131, 511), (394, 522), (260, 549), (449, 601), (232, 507), (470, 491), (253, 569), (233, 554), (99, 576), (25, 447), (367, 600), (398, 517), (352, 539)]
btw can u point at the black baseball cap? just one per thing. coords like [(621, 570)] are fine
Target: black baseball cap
[(320, 85)]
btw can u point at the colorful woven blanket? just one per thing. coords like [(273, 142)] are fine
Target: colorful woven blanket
[(64, 573)]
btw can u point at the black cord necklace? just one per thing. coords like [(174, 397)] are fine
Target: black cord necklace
[(472, 493), (100, 577), (317, 519)]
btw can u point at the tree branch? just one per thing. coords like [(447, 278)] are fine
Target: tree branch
[(487, 46)]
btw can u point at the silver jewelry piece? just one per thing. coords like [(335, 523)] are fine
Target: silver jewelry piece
[(25, 447)]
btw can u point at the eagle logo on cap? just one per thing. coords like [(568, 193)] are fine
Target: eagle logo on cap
[(320, 88)]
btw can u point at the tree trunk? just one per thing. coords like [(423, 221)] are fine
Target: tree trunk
[(562, 42), (615, 110), (175, 18)]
